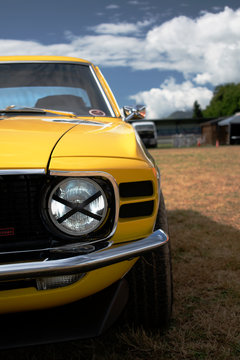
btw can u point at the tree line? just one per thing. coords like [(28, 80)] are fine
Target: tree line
[(225, 102)]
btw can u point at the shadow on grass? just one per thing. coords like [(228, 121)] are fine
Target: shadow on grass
[(190, 230), (206, 286)]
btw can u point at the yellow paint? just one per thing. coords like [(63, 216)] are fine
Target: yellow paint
[(28, 142), (123, 170), (103, 140), (32, 299), (77, 144), (108, 91), (41, 58)]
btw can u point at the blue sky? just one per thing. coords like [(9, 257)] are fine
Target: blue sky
[(165, 54)]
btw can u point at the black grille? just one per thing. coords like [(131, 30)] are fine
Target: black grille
[(23, 214), (137, 188), (144, 208), (20, 223)]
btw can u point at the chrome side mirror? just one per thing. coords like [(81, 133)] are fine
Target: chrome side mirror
[(138, 112)]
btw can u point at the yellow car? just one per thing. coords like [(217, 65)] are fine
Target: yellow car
[(83, 228)]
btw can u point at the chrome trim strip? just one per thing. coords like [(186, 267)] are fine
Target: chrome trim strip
[(92, 174), (22, 171), (102, 92), (83, 263)]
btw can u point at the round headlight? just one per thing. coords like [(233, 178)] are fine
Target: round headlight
[(77, 206)]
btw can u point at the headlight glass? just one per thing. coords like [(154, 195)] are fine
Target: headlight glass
[(77, 206)]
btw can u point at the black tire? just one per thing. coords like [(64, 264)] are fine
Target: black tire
[(150, 284)]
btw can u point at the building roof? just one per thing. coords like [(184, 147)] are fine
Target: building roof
[(235, 119)]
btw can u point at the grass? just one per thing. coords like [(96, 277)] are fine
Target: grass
[(201, 188)]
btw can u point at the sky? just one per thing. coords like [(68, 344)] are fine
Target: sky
[(163, 54)]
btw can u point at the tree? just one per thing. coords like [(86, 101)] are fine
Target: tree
[(197, 111), (225, 101)]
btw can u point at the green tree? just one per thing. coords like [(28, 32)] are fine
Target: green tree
[(225, 101), (197, 111)]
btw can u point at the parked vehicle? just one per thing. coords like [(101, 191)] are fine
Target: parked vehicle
[(147, 131), (83, 227)]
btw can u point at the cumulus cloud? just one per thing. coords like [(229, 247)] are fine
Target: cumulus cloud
[(172, 96), (206, 50), (15, 47), (208, 46)]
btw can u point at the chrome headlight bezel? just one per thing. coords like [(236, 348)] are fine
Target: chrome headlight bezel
[(78, 219), (105, 227)]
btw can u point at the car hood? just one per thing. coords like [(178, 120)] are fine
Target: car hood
[(109, 139), (28, 143)]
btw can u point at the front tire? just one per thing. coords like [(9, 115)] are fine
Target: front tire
[(150, 282)]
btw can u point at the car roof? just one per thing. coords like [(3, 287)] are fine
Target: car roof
[(39, 58)]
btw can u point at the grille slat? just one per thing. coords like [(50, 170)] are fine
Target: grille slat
[(135, 189), (130, 191), (139, 209), (19, 211)]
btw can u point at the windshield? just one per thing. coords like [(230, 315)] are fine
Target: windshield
[(55, 86)]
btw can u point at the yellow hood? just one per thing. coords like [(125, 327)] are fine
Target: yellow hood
[(109, 139), (27, 143)]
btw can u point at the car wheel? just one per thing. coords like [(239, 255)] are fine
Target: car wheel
[(150, 284)]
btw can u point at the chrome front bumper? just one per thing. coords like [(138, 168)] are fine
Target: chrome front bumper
[(112, 254)]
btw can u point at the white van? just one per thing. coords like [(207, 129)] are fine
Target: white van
[(147, 131)]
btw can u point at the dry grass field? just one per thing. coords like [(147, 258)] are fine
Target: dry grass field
[(202, 193)]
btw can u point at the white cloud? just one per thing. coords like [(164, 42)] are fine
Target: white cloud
[(116, 49), (135, 2), (206, 50), (170, 97), (121, 28), (19, 47), (208, 46), (113, 29), (112, 7)]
